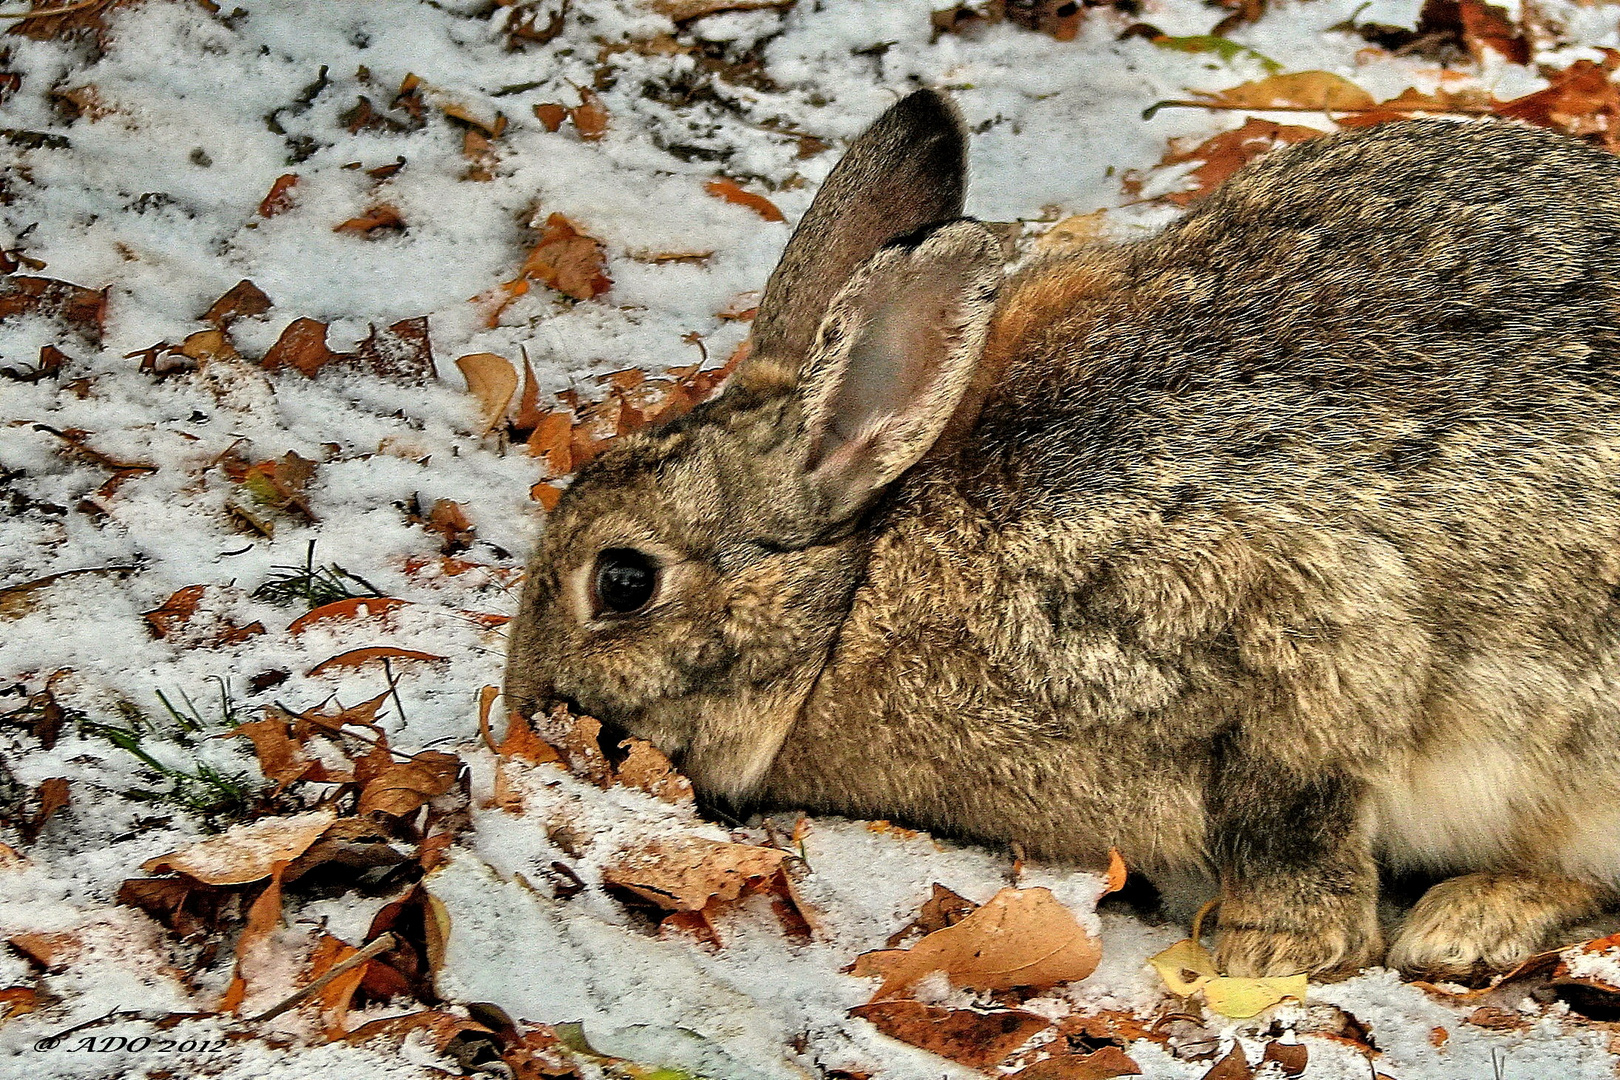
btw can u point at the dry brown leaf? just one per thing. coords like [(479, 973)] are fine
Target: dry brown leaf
[(251, 947), (175, 612), (493, 381), (645, 767), (551, 115), (551, 440), (1020, 937), (280, 484), (279, 199), (48, 950), (82, 309), (1115, 878), (1488, 27), (732, 192), (528, 414), (1581, 100), (402, 352), (1103, 1064), (336, 998), (281, 757), (245, 853), (1318, 90), (302, 347), (356, 657), (17, 1000), (1290, 1058), (53, 795), (1229, 151), (590, 116), (688, 873), (944, 908), (567, 260), (1234, 1066), (404, 786), (979, 1040), (546, 495), (378, 217), (244, 299)]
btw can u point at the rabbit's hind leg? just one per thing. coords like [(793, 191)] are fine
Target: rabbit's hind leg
[(1469, 926)]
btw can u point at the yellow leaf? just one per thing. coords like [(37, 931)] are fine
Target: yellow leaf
[(1242, 998), (1300, 90), (493, 381), (1185, 967)]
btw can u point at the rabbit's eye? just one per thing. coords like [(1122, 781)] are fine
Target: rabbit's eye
[(624, 582)]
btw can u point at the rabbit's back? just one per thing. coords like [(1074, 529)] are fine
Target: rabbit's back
[(1331, 465)]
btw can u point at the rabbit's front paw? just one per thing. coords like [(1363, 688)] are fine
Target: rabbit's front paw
[(1253, 944), (1470, 926)]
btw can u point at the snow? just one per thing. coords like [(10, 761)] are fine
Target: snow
[(157, 200)]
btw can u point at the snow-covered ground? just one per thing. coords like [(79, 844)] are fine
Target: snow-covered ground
[(140, 163)]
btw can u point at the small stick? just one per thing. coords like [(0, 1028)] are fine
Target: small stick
[(393, 688), (382, 944)]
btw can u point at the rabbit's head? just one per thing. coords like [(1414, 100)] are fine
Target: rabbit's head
[(692, 579)]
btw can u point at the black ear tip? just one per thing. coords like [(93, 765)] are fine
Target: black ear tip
[(928, 107)]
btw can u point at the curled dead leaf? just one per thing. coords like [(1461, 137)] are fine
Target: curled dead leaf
[(732, 192), (493, 381), (356, 657), (359, 607), (1103, 1064)]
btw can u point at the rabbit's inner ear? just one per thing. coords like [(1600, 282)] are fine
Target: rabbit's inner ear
[(908, 170), (896, 352)]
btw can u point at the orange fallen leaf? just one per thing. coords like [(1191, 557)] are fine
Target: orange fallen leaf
[(358, 607), (1117, 873), (381, 216), (1020, 937), (591, 116), (301, 346), (356, 657), (688, 873), (17, 1000), (175, 612), (336, 998), (244, 299), (944, 908), (551, 115), (279, 199), (84, 309), (1229, 151), (520, 741), (493, 381), (568, 260), (528, 415), (546, 495), (245, 853), (551, 440), (1290, 1058), (48, 950), (732, 192), (1234, 1066)]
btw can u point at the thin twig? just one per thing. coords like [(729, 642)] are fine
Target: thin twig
[(1355, 110), (393, 688), (382, 944)]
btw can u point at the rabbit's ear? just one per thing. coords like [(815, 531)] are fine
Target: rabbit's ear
[(898, 349), (906, 171)]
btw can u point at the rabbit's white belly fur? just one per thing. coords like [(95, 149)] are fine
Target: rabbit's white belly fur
[(1481, 806)]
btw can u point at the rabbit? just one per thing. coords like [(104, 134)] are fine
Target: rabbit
[(1282, 545)]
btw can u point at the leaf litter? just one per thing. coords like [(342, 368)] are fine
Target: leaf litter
[(321, 413)]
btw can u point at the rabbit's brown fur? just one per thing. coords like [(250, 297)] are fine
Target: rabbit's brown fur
[(1283, 544)]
